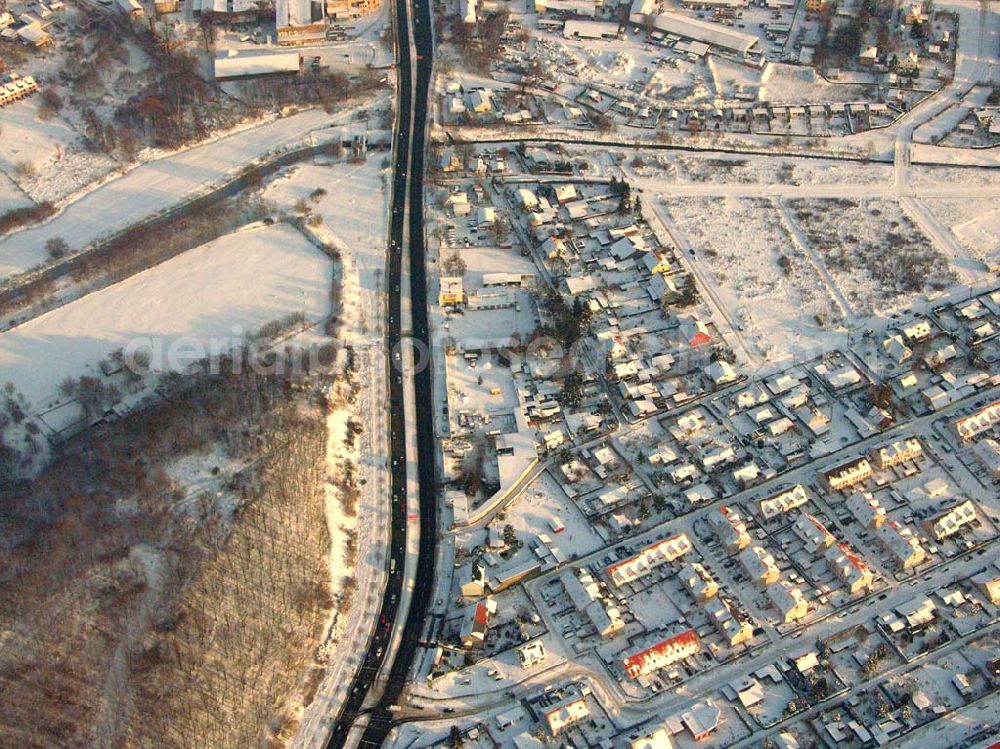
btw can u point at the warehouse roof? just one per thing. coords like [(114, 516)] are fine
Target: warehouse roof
[(702, 31), (245, 64)]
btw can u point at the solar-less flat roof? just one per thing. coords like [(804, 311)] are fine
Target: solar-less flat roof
[(702, 31)]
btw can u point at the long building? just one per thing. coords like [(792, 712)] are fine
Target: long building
[(951, 521), (849, 568), (17, 89), (981, 421), (848, 474), (783, 502), (759, 565), (729, 529), (866, 509), (734, 631), (898, 452), (648, 559), (901, 543), (586, 596), (812, 532), (662, 654), (256, 64), (697, 30), (698, 581), (788, 600)]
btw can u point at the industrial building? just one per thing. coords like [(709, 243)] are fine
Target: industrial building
[(696, 30), (237, 64), (299, 22)]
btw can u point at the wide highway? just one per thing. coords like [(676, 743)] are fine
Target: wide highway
[(409, 142)]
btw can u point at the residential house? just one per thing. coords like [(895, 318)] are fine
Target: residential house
[(783, 501), (759, 565), (788, 600), (729, 529), (662, 654)]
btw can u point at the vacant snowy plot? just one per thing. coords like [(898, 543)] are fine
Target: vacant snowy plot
[(923, 175), (878, 258), (763, 170), (975, 223), (800, 85), (220, 290), (759, 271), (45, 157), (981, 235)]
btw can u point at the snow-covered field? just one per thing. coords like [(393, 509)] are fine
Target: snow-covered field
[(354, 212), (11, 196), (982, 234), (52, 148), (933, 175), (724, 169), (219, 290), (974, 223), (153, 187)]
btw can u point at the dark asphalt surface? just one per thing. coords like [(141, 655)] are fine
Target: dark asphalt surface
[(409, 155)]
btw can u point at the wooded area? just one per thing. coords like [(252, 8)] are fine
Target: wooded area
[(138, 611)]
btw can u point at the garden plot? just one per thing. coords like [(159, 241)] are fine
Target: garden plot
[(877, 257), (760, 273), (216, 292)]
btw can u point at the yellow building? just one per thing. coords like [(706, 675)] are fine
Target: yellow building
[(340, 10), (451, 291)]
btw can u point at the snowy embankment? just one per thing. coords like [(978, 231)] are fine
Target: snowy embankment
[(354, 213)]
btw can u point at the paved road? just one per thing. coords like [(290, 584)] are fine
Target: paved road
[(406, 232)]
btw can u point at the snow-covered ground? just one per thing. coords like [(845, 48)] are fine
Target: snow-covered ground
[(221, 290), (798, 84), (52, 148), (936, 175), (11, 196), (743, 247), (354, 213), (981, 234), (158, 185)]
